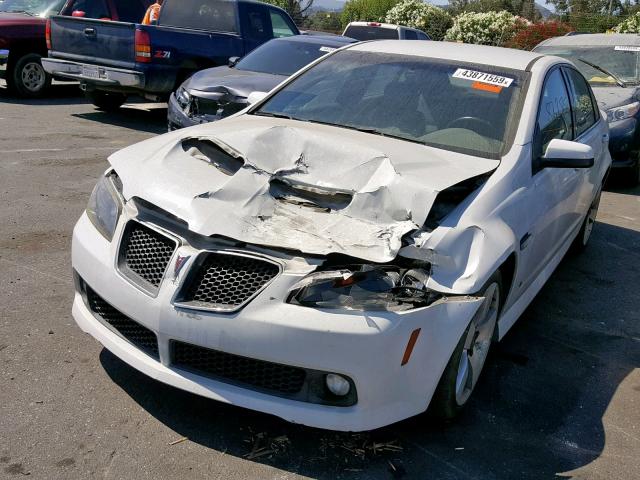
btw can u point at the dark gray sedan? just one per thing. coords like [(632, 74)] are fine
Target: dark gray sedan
[(218, 92)]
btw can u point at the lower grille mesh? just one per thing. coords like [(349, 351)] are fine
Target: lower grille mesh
[(277, 378), (140, 336)]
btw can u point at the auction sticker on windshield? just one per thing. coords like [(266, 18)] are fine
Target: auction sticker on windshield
[(483, 77), (627, 48), (327, 49)]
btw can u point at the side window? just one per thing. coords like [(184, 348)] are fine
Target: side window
[(130, 11), (554, 114), (423, 36), (584, 110), (280, 26), (410, 35), (258, 22)]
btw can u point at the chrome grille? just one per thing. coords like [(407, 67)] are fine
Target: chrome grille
[(146, 253), (225, 282), (226, 367), (140, 336)]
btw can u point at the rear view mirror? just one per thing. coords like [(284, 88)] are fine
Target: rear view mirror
[(255, 97), (567, 154), (233, 61)]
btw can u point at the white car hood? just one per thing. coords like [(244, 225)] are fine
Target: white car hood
[(392, 184)]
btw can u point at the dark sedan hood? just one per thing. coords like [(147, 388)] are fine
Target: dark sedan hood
[(230, 80), (610, 97), (16, 19)]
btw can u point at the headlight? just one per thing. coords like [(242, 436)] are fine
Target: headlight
[(183, 98), (105, 206), (365, 287), (623, 112)]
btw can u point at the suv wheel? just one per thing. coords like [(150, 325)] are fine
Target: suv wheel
[(27, 78)]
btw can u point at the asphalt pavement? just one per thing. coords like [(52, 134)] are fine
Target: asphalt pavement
[(559, 397)]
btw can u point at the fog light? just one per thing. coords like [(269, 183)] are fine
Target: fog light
[(337, 384)]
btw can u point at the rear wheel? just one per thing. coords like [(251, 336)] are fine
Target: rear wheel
[(107, 101), (27, 78), (465, 365)]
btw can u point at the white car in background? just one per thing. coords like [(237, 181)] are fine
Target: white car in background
[(343, 253)]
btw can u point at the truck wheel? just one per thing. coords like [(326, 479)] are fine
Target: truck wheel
[(107, 101), (27, 78), (465, 365)]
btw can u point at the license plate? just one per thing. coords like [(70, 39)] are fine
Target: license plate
[(90, 71)]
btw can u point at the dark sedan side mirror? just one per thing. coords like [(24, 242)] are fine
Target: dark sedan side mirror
[(233, 61), (566, 154)]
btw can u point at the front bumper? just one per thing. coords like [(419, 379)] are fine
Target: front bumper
[(624, 142), (94, 74), (368, 348), (176, 117)]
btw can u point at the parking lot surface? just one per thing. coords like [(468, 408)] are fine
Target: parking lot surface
[(559, 397)]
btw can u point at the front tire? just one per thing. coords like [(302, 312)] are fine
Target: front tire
[(107, 101), (27, 78), (468, 359), (584, 235)]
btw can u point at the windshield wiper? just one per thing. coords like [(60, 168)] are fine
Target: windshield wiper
[(22, 11), (373, 131), (605, 71), (274, 115)]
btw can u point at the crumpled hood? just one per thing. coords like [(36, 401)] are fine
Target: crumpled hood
[(610, 97), (231, 80), (300, 186)]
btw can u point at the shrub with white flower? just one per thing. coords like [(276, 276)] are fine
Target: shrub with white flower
[(487, 28), (423, 16), (629, 25)]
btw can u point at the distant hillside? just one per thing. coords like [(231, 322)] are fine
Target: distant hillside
[(337, 5)]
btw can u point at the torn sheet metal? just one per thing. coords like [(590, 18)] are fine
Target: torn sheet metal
[(302, 186)]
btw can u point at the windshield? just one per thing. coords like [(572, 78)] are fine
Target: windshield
[(465, 108), (36, 8), (282, 57), (366, 32), (621, 61)]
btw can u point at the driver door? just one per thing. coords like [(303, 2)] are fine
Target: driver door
[(554, 191)]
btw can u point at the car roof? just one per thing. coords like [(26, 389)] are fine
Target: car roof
[(322, 40), (494, 56), (593, 39)]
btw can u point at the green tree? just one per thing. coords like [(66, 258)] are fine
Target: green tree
[(417, 14), (324, 22), (366, 10)]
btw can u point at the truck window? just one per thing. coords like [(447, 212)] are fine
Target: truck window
[(258, 25), (410, 35), (88, 9), (131, 10), (280, 26), (213, 15)]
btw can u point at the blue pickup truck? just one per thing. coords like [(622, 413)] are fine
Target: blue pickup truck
[(113, 59)]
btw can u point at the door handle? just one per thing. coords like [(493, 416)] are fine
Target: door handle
[(90, 32)]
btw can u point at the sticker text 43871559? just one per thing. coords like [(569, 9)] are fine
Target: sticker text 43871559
[(483, 77)]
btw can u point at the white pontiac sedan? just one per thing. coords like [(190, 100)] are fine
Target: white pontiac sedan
[(343, 253)]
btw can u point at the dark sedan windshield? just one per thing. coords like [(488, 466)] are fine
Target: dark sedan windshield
[(465, 108), (622, 61), (37, 8), (283, 57)]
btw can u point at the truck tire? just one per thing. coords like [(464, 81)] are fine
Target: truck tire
[(107, 101), (26, 76)]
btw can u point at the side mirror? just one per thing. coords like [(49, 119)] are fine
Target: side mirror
[(233, 61), (255, 97), (566, 154)]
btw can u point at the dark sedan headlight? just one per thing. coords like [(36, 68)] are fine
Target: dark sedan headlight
[(365, 288), (105, 205), (183, 98), (623, 112)]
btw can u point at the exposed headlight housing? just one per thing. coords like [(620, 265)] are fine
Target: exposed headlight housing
[(105, 205), (183, 98), (623, 112), (365, 288)]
